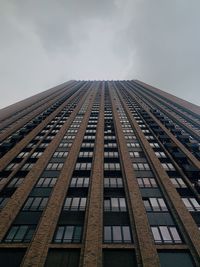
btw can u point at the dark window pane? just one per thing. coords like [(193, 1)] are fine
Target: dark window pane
[(63, 258), (119, 258), (175, 259), (11, 257)]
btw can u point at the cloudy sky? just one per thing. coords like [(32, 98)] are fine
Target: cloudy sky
[(44, 43)]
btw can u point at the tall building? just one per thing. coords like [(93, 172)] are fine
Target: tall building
[(100, 174)]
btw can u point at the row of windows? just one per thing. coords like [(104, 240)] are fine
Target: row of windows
[(112, 234)]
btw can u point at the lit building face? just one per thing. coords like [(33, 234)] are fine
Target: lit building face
[(103, 173)]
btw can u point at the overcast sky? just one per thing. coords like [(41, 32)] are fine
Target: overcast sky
[(47, 42)]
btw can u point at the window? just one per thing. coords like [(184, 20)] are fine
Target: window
[(3, 201), (119, 257), (130, 137), (89, 137), (168, 166), (111, 154), (175, 258), (54, 166), (27, 166), (86, 154), (46, 182), (191, 204), (11, 257), (114, 204), (65, 144), (11, 166), (141, 166), (165, 234), (133, 145), (42, 145), (160, 154), (149, 137), (79, 182), (68, 234), (75, 203), (109, 137), (134, 154), (69, 137), (83, 166), (146, 182), (60, 154), (90, 131), (155, 204), (87, 145), (110, 145), (62, 258), (112, 166), (15, 182), (178, 182), (20, 233), (36, 154), (117, 234), (35, 203), (72, 131), (22, 155), (155, 145), (113, 182)]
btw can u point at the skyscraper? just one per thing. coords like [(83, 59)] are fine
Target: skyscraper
[(100, 173)]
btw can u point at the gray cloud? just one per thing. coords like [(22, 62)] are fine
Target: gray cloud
[(47, 42)]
